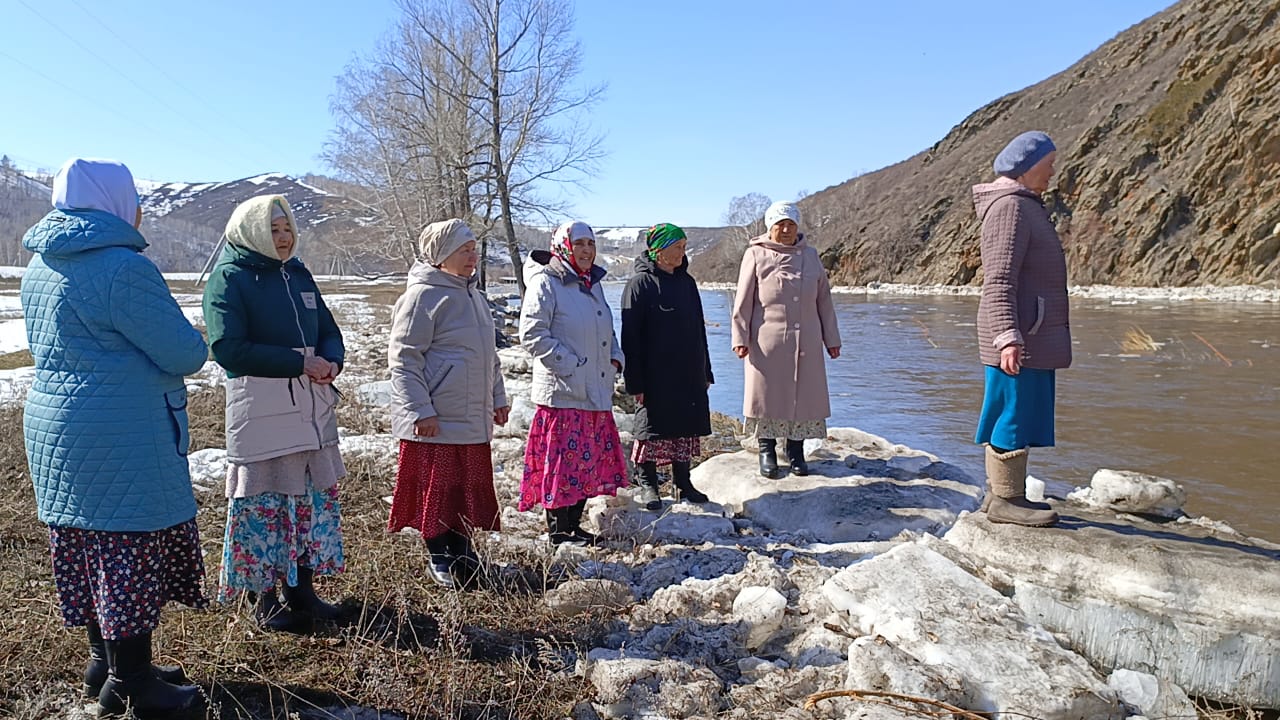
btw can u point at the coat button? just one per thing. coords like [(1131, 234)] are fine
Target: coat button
[(797, 326), (604, 344), (796, 298), (801, 353), (601, 374), (599, 312)]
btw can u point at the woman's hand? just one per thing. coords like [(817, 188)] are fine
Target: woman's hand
[(617, 366), (740, 350), (500, 415), (319, 369), (834, 352), (427, 427), (1011, 359), (639, 398)]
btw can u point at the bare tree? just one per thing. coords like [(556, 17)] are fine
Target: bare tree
[(745, 217), (468, 110)]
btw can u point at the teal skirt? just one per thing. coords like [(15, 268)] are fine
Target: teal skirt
[(1017, 410)]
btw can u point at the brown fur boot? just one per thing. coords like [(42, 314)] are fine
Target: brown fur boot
[(1006, 500)]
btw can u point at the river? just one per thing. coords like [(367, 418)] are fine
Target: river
[(1200, 404)]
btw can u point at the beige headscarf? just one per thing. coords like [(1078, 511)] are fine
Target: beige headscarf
[(250, 224), (439, 240)]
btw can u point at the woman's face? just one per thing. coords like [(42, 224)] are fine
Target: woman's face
[(784, 232), (282, 237), (462, 262), (673, 254), (584, 252), (1037, 178)]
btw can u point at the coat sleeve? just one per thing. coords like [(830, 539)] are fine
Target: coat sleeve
[(826, 309), (412, 330), (702, 323), (145, 313), (536, 314), (745, 301), (329, 344), (1005, 237), (226, 315), (634, 331)]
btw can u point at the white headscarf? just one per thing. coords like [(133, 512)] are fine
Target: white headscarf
[(439, 240), (89, 184), (779, 211)]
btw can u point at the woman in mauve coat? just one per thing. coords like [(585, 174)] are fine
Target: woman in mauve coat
[(1024, 335), (783, 320)]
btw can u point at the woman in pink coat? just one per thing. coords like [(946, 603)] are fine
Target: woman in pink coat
[(783, 320)]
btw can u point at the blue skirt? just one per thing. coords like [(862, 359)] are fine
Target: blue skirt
[(1017, 410)]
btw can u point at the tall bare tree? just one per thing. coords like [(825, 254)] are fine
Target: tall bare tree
[(745, 217), (470, 110)]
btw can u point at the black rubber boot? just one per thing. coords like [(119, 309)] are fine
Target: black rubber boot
[(440, 564), (131, 684), (684, 486), (303, 599), (95, 671), (795, 457), (467, 567), (560, 527), (575, 523), (271, 614), (648, 495), (769, 458)]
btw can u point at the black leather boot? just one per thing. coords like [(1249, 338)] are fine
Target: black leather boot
[(467, 567), (131, 684), (575, 523), (684, 486), (769, 458), (303, 599), (795, 457), (560, 527), (95, 671), (648, 495), (440, 564)]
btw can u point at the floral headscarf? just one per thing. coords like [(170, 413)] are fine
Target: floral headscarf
[(562, 247)]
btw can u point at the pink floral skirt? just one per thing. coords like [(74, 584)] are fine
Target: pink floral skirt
[(572, 455)]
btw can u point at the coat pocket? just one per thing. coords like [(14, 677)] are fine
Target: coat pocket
[(176, 402), (1035, 327)]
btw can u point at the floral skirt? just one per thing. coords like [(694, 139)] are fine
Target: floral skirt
[(666, 451), (122, 579), (270, 535), (443, 487), (572, 455), (785, 429)]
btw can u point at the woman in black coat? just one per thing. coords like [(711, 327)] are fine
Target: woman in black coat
[(668, 369)]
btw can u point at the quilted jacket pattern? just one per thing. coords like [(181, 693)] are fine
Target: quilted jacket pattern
[(106, 420)]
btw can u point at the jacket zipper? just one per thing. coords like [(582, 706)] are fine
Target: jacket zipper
[(288, 290)]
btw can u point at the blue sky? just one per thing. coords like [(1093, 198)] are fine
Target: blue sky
[(706, 99)]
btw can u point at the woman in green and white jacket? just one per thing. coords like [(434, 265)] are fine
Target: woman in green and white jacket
[(271, 331)]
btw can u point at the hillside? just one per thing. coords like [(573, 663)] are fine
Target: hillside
[(1168, 166)]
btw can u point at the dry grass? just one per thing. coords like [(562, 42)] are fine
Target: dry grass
[(17, 359), (403, 645), (1137, 341)]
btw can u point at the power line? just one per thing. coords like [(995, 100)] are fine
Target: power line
[(78, 92)]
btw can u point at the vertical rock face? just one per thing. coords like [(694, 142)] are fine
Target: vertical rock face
[(1168, 166)]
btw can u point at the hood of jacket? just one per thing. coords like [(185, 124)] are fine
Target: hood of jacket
[(645, 265), (423, 273), (764, 241), (250, 226), (986, 194), (68, 232), (543, 261)]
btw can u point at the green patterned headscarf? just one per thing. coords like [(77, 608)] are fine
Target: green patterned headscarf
[(661, 236)]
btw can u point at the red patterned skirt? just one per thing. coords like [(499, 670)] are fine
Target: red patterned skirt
[(444, 487)]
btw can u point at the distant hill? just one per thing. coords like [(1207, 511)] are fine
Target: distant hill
[(1168, 166)]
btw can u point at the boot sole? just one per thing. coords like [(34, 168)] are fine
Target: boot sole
[(1001, 521)]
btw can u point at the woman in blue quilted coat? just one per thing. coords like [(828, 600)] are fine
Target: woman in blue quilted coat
[(106, 433), (269, 327)]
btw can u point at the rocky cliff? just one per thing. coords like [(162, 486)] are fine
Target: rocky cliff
[(1168, 166)]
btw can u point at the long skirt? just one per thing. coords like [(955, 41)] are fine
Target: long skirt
[(122, 579), (270, 535), (665, 451), (571, 455), (443, 487), (1017, 410)]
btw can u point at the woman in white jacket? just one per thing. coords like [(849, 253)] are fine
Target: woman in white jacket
[(447, 393), (573, 451)]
